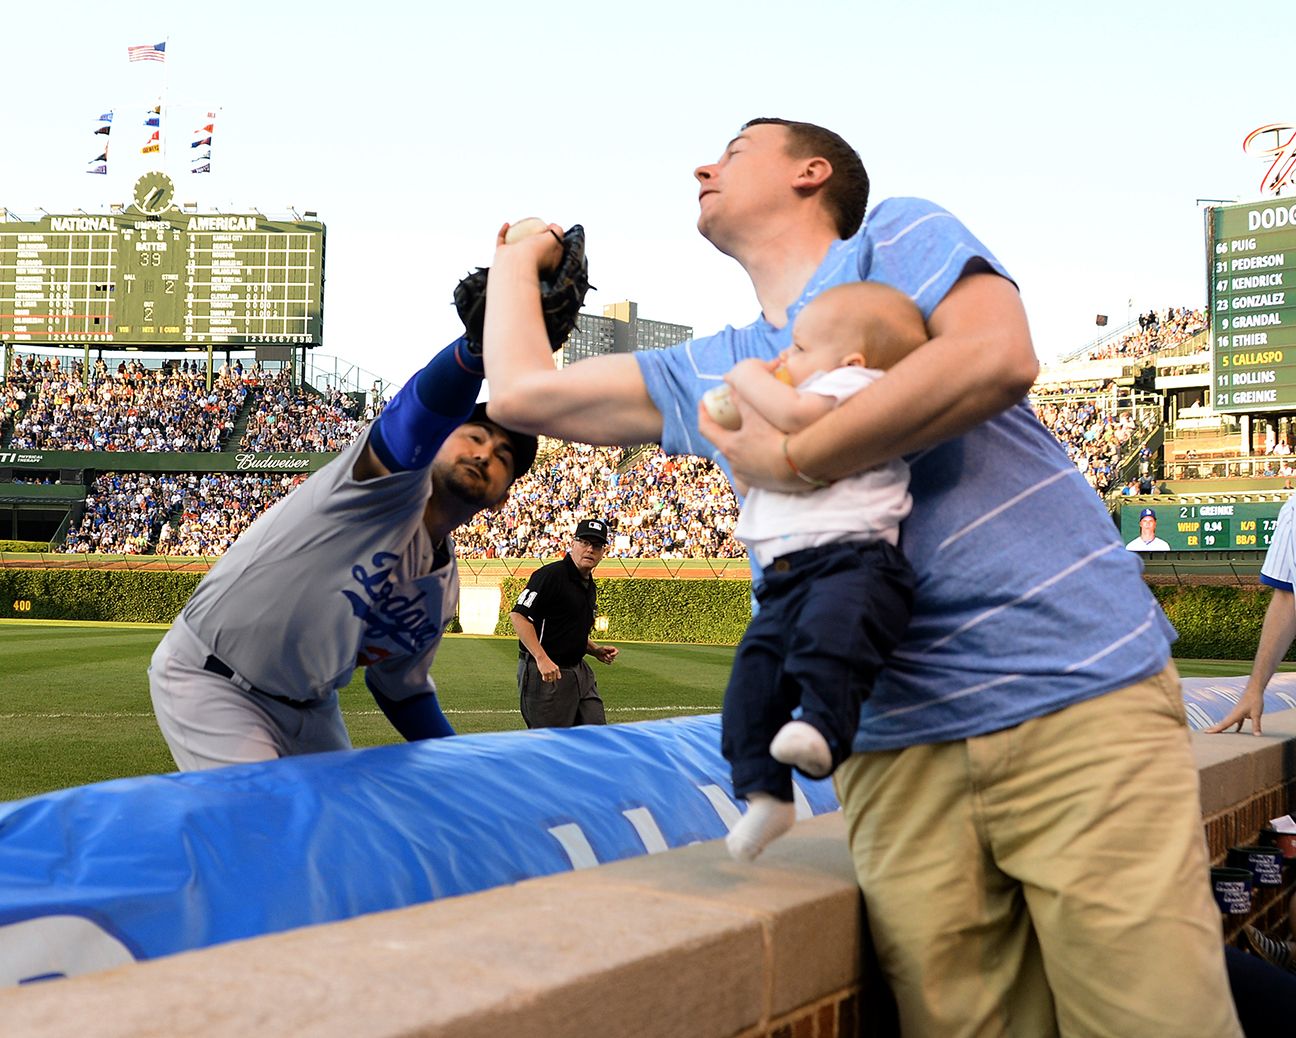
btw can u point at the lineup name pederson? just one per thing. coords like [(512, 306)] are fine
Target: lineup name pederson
[(1274, 259)]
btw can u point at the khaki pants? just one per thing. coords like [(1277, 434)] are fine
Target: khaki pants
[(1048, 879)]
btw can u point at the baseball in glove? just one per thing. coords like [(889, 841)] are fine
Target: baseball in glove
[(562, 291)]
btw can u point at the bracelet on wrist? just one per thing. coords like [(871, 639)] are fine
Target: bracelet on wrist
[(818, 484)]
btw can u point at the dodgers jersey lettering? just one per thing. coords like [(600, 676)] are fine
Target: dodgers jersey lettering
[(341, 572), (1026, 600)]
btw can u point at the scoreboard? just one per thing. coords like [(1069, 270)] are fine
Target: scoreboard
[(1244, 526), (162, 278), (1251, 270)]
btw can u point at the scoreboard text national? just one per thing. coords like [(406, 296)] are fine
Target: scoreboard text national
[(156, 275)]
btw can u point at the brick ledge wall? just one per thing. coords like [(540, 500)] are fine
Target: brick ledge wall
[(685, 943)]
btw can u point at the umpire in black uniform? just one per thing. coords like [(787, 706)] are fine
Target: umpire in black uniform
[(553, 618)]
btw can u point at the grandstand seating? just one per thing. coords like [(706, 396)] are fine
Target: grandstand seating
[(660, 506)]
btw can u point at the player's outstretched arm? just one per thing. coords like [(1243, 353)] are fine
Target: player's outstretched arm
[(600, 400), (418, 717), (1276, 636), (426, 410), (978, 362)]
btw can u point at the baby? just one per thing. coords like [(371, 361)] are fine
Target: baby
[(835, 592)]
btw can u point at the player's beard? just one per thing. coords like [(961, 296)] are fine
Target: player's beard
[(466, 481)]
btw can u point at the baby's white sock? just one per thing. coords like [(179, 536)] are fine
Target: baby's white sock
[(801, 745), (767, 819)]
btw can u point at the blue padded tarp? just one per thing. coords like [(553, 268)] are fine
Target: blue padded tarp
[(144, 867), (1209, 700)]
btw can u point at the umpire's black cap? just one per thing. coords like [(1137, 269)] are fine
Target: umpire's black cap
[(592, 530), (524, 444)]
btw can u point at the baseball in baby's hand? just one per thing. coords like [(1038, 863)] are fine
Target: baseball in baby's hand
[(719, 403), (524, 229)]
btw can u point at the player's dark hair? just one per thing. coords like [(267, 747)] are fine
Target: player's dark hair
[(845, 193)]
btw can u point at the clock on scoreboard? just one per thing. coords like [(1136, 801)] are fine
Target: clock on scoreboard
[(154, 274)]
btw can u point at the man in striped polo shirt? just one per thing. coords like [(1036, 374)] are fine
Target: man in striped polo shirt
[(1022, 802)]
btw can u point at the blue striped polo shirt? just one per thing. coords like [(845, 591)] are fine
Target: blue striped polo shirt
[(1027, 601)]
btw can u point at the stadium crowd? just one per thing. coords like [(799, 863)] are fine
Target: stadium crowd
[(1095, 434), (135, 409), (1157, 331), (286, 418), (211, 510), (192, 514), (658, 507), (123, 514)]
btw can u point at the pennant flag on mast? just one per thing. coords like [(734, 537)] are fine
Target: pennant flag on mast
[(200, 162), (148, 52), (100, 164), (153, 117)]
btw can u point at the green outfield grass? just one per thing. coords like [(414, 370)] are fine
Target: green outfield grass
[(74, 700)]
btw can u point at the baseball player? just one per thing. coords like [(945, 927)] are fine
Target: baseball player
[(835, 592), (553, 618), (355, 568), (1279, 628), (1147, 540)]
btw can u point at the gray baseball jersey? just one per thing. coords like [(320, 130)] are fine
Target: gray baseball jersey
[(335, 575)]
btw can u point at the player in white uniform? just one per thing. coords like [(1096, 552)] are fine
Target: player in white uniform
[(1279, 628), (356, 567)]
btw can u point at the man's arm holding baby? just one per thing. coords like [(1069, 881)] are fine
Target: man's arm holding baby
[(773, 399)]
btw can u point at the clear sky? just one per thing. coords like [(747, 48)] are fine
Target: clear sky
[(1074, 140)]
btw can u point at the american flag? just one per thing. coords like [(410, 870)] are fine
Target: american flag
[(149, 52)]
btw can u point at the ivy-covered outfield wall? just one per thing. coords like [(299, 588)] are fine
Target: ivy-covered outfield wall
[(1216, 623), (705, 611), (1213, 622), (709, 611), (136, 596)]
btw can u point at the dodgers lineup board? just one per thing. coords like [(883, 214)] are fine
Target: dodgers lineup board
[(154, 275), (1233, 526), (1251, 266)]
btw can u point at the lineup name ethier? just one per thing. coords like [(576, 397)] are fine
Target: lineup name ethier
[(222, 223)]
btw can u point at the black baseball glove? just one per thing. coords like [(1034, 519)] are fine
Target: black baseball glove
[(562, 292)]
